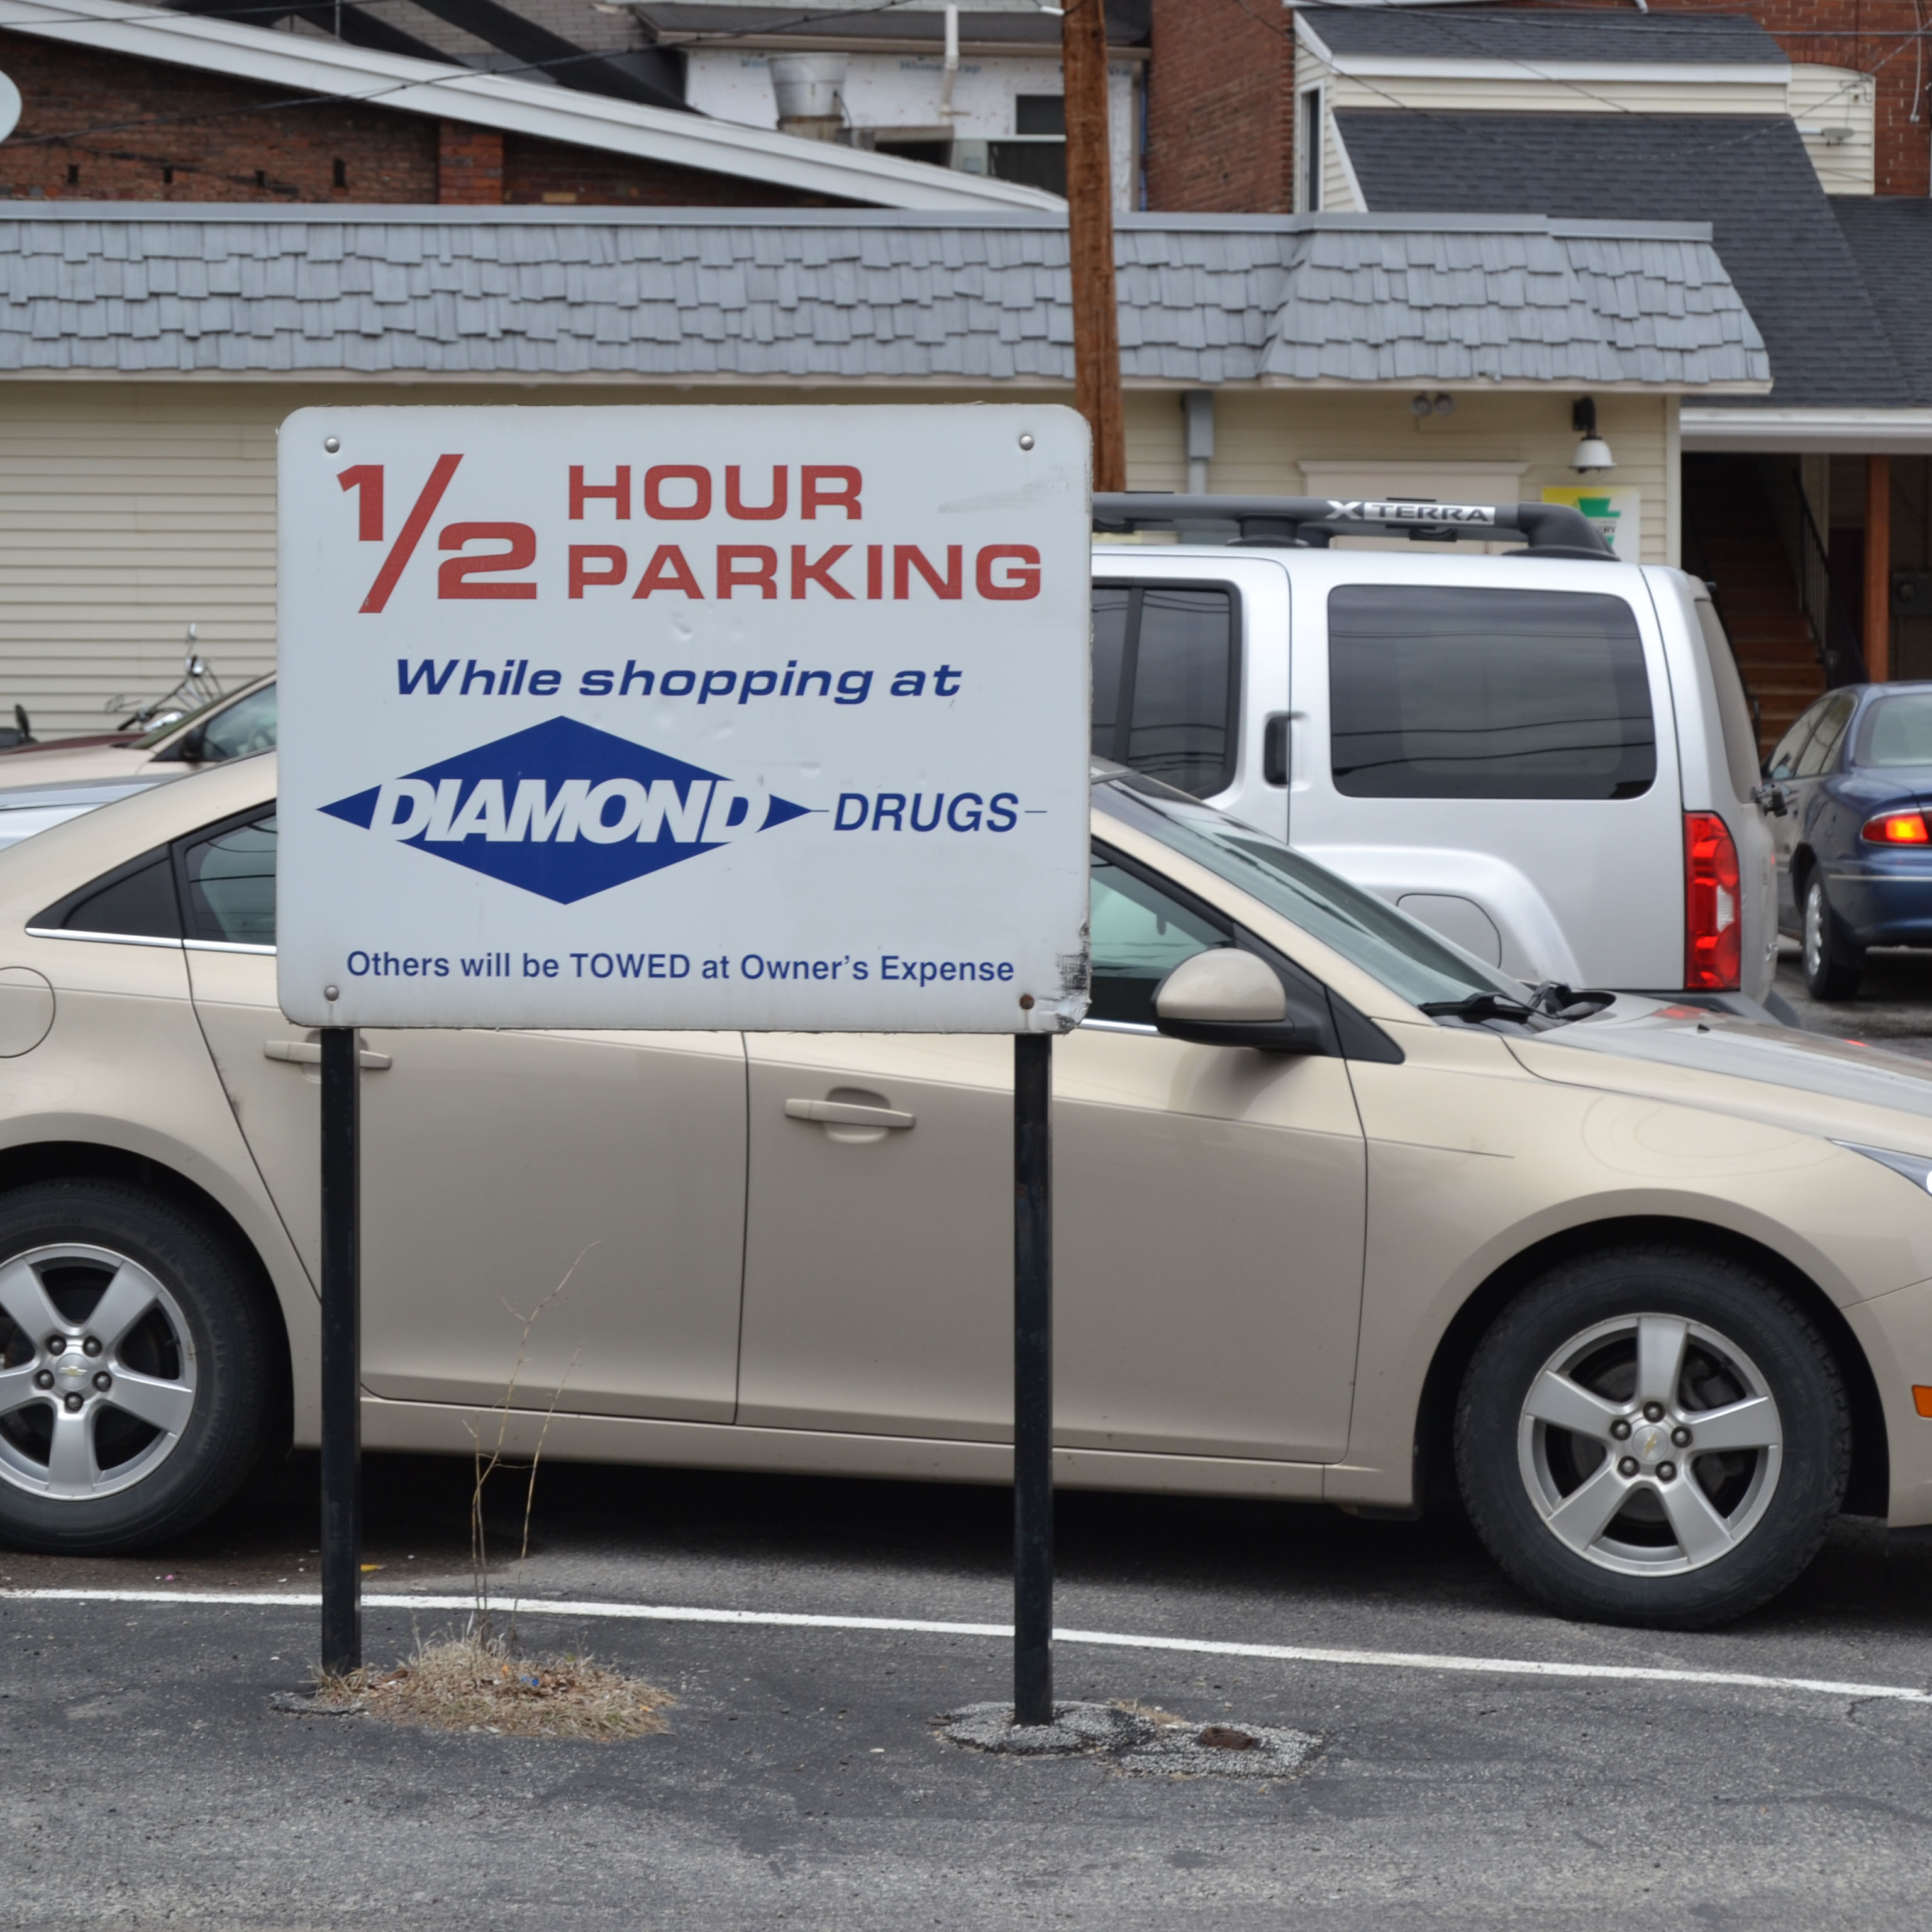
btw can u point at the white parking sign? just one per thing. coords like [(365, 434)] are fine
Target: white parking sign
[(763, 718)]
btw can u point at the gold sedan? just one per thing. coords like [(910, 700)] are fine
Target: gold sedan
[(1341, 1211)]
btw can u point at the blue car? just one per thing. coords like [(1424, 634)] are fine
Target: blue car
[(1849, 789)]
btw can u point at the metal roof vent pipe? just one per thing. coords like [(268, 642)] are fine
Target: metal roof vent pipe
[(810, 89), (1592, 452)]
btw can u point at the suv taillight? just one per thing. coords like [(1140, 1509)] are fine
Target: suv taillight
[(1713, 934)]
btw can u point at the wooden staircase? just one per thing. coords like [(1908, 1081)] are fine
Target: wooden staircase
[(1730, 522)]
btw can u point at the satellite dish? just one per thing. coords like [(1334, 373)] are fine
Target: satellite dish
[(10, 107)]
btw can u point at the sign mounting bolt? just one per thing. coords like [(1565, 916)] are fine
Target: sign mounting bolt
[(1026, 1002), (1026, 443), (331, 444), (331, 992)]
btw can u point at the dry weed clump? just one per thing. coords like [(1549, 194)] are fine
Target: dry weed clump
[(466, 1683)]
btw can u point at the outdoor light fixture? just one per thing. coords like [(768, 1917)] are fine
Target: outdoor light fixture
[(1592, 452), (1440, 405)]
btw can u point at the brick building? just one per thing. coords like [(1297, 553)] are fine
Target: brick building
[(129, 103), (1222, 88)]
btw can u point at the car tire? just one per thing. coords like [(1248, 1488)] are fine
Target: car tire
[(125, 1436), (1577, 1429), (1834, 962)]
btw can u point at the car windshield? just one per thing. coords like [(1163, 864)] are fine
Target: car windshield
[(246, 727), (1407, 958), (1899, 731), (174, 722)]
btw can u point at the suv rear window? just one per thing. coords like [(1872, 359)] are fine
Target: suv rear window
[(1165, 683), (1466, 692)]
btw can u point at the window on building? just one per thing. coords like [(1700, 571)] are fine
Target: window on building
[(1308, 137), (935, 153), (1037, 153)]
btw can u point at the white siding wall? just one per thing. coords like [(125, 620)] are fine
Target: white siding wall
[(128, 511), (1837, 100), (124, 517), (904, 91), (1338, 192), (1546, 90), (1262, 438)]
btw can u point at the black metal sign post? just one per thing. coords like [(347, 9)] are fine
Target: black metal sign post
[(341, 1353), (1033, 1379)]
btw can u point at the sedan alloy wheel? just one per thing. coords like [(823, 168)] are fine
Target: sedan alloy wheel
[(1650, 1445), (97, 1378), (1654, 1434)]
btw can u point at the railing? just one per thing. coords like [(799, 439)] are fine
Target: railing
[(1840, 651)]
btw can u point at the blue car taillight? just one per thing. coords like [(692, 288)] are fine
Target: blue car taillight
[(1896, 828)]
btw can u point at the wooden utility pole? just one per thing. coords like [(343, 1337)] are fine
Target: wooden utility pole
[(1089, 225)]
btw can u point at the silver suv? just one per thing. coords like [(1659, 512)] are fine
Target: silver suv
[(1546, 755)]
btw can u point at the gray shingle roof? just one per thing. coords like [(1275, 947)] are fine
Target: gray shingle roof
[(1509, 33), (1747, 175), (1890, 235), (134, 289)]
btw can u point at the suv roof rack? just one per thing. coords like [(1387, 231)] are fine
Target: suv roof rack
[(1308, 523)]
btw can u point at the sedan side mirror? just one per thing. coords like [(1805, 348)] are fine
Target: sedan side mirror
[(1230, 998)]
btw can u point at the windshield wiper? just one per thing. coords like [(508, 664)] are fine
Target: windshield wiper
[(1550, 1001), (1475, 1007)]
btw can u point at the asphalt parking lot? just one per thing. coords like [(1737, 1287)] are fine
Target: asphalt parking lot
[(1894, 1007), (145, 1779), (1477, 1762)]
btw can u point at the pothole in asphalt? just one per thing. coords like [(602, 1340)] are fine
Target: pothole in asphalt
[(1136, 1740)]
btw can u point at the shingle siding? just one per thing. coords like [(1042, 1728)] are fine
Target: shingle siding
[(1203, 299)]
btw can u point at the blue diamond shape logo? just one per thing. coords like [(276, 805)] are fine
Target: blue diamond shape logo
[(564, 810)]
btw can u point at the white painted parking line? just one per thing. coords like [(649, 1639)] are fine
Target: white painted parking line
[(1280, 1653)]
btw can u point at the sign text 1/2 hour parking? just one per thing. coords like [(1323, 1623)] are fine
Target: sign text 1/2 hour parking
[(686, 718)]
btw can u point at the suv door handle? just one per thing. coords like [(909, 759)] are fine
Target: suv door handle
[(847, 1114), (1274, 750), (308, 1053)]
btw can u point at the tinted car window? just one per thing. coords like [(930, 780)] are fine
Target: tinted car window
[(1790, 747), (1440, 692), (1112, 608), (1898, 731), (1734, 711), (1139, 935), (1832, 722), (135, 901), (229, 880), (1165, 683), (248, 726)]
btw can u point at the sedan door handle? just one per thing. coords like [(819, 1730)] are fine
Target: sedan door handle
[(847, 1114), (308, 1053)]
